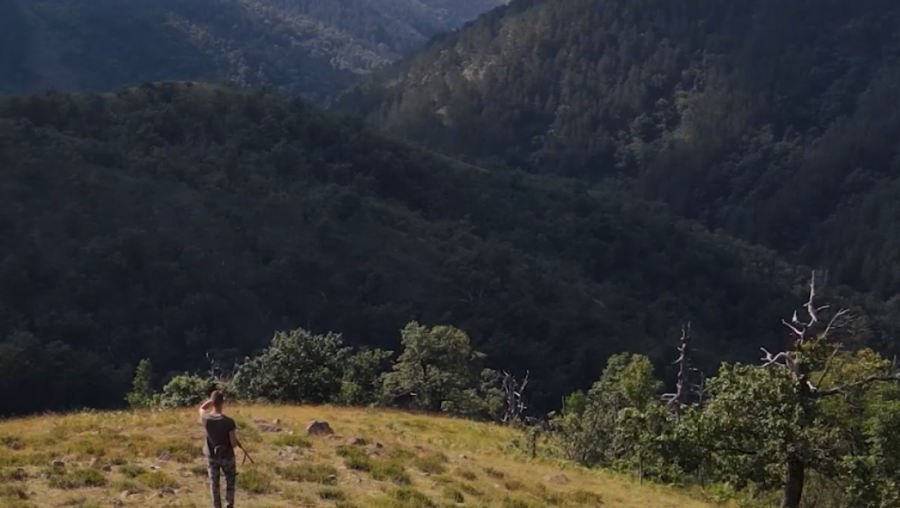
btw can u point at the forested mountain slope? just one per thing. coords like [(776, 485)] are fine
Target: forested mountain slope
[(309, 47), (775, 120), (174, 219)]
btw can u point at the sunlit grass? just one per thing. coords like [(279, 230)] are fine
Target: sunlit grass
[(402, 461)]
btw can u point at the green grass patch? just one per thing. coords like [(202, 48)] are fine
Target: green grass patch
[(294, 440), (400, 453), (388, 470), (12, 442), (255, 481), (311, 473), (157, 480), (129, 485), (494, 473), (247, 431), (584, 497), (453, 494), (80, 502), (13, 475), (181, 451), (331, 494), (117, 461), (381, 470), (354, 458), (433, 463), (406, 497), (78, 479), (88, 447), (18, 503), (13, 492), (470, 490), (510, 502), (132, 470), (467, 475)]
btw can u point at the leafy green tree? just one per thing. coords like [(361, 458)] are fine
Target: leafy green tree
[(298, 366), (809, 411), (597, 428), (438, 371), (185, 390), (361, 381), (142, 394)]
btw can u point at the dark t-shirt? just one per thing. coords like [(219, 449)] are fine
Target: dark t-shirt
[(218, 427)]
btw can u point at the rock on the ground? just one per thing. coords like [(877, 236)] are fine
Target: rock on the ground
[(318, 428), (266, 426), (356, 441), (559, 479)]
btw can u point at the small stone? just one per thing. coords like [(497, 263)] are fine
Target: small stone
[(379, 445), (559, 479), (106, 467), (59, 463), (166, 491), (318, 428), (356, 441)]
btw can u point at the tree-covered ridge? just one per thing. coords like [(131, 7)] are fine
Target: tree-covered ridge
[(308, 47), (773, 120), (812, 424), (172, 220)]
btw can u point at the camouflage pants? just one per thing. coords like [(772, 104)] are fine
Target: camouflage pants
[(227, 466)]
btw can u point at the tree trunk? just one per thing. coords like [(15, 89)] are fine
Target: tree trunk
[(793, 482)]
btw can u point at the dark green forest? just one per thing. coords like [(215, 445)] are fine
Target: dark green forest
[(174, 219), (311, 48), (554, 191), (772, 121)]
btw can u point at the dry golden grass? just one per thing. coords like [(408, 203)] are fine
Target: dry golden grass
[(154, 459)]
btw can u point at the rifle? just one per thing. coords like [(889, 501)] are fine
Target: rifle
[(246, 455)]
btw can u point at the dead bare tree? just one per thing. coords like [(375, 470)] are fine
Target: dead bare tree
[(676, 401), (698, 389), (513, 400), (813, 327)]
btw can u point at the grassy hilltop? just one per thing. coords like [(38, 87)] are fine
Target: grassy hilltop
[(153, 459)]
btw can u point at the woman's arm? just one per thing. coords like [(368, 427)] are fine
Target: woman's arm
[(205, 407)]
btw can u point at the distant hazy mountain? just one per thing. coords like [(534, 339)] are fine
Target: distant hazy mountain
[(775, 120), (312, 47)]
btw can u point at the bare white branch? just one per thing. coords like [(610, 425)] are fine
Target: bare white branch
[(782, 359), (800, 333)]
